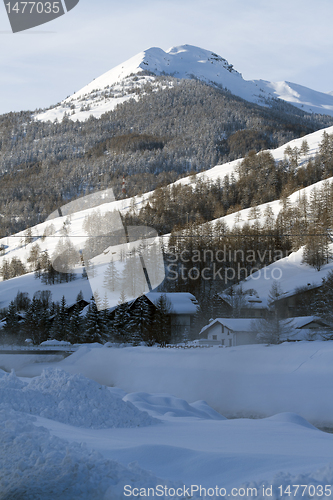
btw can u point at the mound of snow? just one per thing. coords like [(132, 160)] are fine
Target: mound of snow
[(70, 399), (36, 466), (291, 418), (317, 484), (207, 411), (10, 381), (164, 404)]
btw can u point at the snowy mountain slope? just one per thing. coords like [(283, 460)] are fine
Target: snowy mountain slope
[(219, 171), (128, 80), (290, 272), (28, 283), (294, 273), (15, 246), (302, 97)]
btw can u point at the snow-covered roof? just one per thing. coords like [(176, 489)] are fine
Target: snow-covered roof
[(296, 291), (57, 343), (234, 324), (298, 328), (303, 321), (248, 300), (181, 303)]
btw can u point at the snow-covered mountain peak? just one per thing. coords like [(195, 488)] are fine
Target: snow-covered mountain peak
[(187, 61), (128, 80), (184, 61)]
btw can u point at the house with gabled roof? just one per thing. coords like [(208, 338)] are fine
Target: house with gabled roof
[(228, 332), (306, 328), (295, 301), (246, 304)]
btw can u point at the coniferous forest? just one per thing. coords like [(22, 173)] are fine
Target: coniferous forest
[(151, 142), (154, 142)]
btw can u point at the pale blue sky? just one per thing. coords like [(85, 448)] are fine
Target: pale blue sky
[(287, 40)]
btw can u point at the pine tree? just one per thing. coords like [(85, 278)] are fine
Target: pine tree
[(34, 257), (140, 322), (93, 325), (60, 328), (75, 326), (133, 279), (44, 323), (105, 320), (5, 270), (29, 324), (305, 148), (11, 329), (322, 303), (36, 322), (316, 252), (49, 274), (162, 321), (121, 319), (16, 267), (97, 300), (111, 277)]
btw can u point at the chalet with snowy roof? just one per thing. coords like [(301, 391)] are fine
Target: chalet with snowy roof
[(182, 308), (243, 305), (228, 332), (306, 328), (296, 301)]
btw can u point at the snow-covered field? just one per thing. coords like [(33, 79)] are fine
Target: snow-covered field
[(151, 427)]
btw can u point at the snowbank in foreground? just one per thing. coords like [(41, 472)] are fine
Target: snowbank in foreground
[(70, 399), (244, 381), (192, 445), (34, 465), (311, 485), (37, 466)]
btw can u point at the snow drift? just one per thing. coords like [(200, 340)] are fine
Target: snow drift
[(70, 399)]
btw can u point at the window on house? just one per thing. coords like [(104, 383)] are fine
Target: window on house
[(214, 337), (222, 341)]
